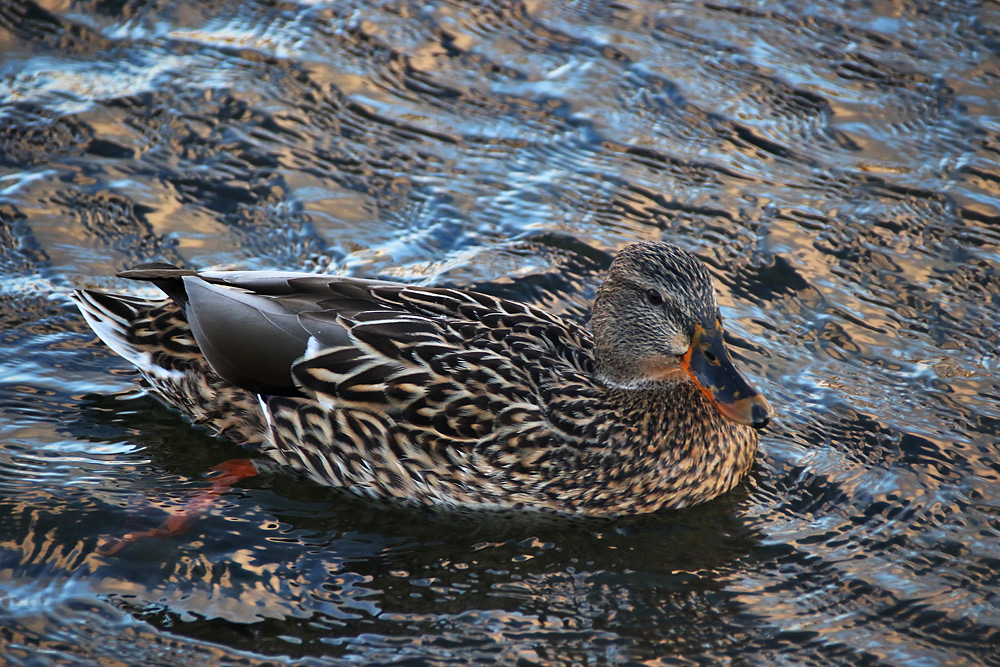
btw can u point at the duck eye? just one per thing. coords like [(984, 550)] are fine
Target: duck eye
[(654, 297)]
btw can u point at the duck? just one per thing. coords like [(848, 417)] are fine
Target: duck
[(440, 397)]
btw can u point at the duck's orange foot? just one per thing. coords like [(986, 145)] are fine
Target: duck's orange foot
[(226, 474)]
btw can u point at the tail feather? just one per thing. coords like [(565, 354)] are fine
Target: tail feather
[(153, 335), (111, 317)]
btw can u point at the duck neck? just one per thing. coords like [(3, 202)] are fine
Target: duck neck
[(617, 379)]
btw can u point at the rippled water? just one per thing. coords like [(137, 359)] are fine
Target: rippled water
[(834, 163)]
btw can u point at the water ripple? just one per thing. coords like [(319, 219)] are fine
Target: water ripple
[(833, 164)]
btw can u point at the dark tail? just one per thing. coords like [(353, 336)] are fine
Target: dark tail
[(165, 276)]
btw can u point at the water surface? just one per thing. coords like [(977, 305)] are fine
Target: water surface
[(835, 165)]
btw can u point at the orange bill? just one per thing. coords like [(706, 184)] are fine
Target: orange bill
[(708, 363)]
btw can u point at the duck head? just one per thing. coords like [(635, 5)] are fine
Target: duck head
[(656, 322)]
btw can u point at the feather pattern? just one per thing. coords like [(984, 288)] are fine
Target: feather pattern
[(444, 397)]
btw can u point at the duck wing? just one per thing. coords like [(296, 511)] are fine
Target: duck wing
[(247, 324), (446, 358)]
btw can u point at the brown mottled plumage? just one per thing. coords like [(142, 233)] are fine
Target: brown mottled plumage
[(444, 397)]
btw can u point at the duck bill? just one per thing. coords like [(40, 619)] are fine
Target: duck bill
[(708, 363)]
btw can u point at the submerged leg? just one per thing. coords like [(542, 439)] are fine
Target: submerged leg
[(228, 473)]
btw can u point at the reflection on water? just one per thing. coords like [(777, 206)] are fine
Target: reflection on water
[(835, 165)]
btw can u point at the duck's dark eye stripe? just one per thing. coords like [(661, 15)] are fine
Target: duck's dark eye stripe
[(654, 297)]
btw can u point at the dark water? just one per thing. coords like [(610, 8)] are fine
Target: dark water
[(834, 163)]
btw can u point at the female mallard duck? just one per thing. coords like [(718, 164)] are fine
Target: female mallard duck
[(444, 397)]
